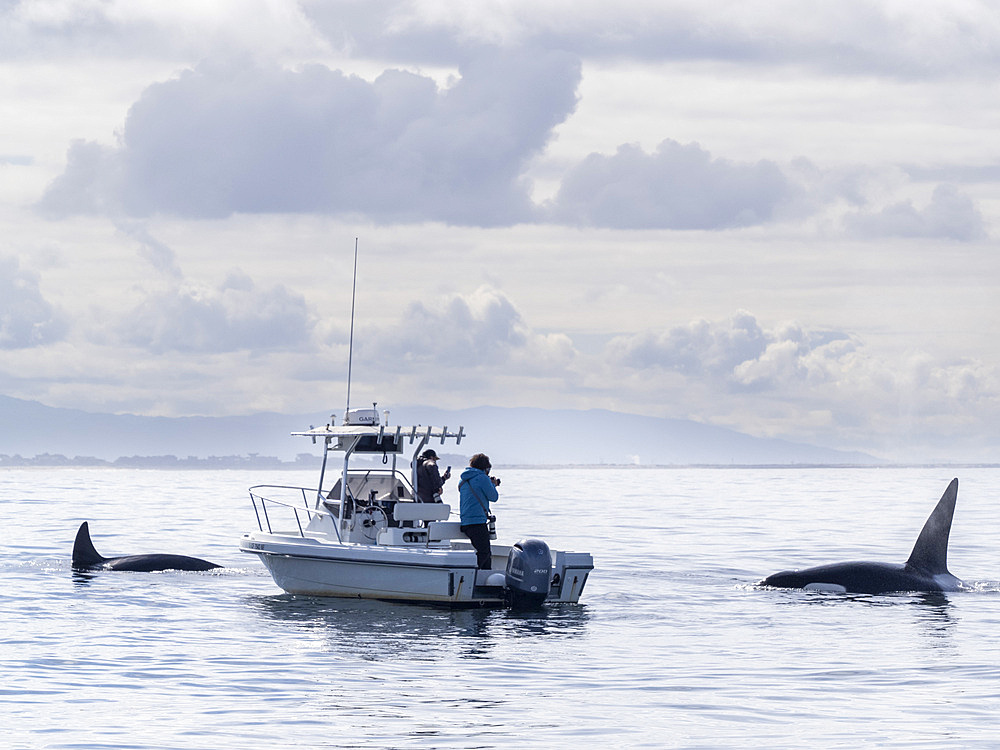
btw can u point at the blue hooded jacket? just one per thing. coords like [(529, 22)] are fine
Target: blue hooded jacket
[(476, 491)]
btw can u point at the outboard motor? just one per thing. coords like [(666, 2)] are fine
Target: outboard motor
[(529, 571)]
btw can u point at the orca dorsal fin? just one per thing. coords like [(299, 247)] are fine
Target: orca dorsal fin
[(930, 553), (84, 554)]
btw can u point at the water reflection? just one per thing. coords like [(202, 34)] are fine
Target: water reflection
[(935, 612), (376, 630), (82, 577)]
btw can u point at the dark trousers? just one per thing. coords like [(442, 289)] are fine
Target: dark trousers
[(479, 535)]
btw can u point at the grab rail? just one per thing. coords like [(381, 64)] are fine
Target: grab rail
[(304, 491)]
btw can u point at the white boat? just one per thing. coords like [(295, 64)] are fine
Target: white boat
[(361, 533)]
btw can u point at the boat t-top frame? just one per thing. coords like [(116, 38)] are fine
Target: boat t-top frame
[(364, 433)]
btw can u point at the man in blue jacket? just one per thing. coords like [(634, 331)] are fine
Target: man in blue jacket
[(477, 489)]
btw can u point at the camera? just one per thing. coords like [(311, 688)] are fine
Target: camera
[(496, 481)]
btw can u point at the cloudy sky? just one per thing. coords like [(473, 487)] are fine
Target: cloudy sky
[(772, 216)]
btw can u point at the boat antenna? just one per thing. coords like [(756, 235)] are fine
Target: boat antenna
[(350, 346)]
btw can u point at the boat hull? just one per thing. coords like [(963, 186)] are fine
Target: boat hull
[(445, 575)]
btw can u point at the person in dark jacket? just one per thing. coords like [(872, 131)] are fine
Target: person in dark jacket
[(477, 489), (429, 479)]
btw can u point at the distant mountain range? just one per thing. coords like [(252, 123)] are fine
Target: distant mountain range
[(508, 435)]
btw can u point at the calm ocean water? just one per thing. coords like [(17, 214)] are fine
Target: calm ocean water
[(671, 646)]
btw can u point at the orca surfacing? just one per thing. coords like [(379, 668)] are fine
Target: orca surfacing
[(86, 557), (925, 570)]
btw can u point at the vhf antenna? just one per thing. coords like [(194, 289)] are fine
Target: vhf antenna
[(350, 347)]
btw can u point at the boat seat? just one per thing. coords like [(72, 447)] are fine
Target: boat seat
[(438, 531), (421, 512)]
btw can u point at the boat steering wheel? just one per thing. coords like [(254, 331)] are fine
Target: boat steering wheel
[(372, 519)]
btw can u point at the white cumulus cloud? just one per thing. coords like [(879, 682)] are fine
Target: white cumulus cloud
[(238, 138), (680, 186), (482, 329), (235, 315), (27, 319), (950, 214)]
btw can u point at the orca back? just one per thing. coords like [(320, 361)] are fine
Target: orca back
[(851, 577), (157, 562), (930, 553)]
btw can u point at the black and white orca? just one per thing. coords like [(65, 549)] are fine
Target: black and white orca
[(925, 570), (85, 557)]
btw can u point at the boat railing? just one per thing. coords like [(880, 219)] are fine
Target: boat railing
[(261, 503)]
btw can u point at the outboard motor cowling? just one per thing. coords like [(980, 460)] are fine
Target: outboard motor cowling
[(529, 571)]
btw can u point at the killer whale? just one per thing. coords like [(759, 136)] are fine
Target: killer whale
[(86, 557), (925, 570)]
